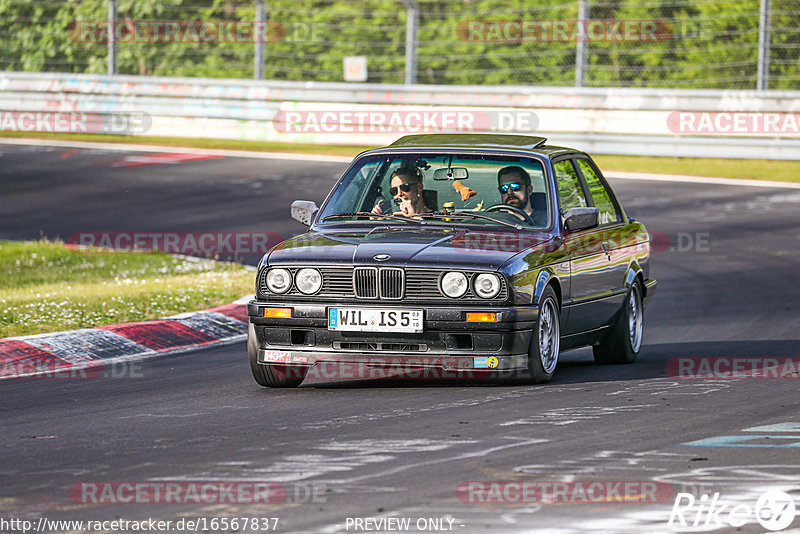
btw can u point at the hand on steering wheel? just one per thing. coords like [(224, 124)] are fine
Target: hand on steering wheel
[(512, 209)]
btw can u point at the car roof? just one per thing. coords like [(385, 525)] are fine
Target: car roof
[(527, 143), (470, 141)]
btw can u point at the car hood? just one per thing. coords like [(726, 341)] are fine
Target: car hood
[(417, 247)]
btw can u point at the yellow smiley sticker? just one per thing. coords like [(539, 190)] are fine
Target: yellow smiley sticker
[(492, 362)]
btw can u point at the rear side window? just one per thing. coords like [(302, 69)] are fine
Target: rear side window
[(600, 195), (570, 193)]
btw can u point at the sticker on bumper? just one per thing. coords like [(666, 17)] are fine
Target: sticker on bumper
[(485, 362), (276, 356)]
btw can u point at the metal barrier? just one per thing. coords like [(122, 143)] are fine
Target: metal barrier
[(652, 122)]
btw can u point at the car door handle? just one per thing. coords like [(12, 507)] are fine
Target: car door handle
[(607, 251)]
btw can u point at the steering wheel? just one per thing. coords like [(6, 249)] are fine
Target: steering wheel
[(511, 209)]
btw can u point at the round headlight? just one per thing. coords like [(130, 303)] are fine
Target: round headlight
[(454, 284), (308, 281), (487, 285), (279, 280)]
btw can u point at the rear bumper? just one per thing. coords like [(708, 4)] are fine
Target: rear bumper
[(447, 343)]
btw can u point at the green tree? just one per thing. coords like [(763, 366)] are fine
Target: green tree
[(700, 43), (784, 61)]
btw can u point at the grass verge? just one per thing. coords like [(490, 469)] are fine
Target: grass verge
[(224, 144), (47, 287), (753, 169)]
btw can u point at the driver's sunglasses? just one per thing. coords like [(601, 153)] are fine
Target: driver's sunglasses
[(403, 187), (510, 186)]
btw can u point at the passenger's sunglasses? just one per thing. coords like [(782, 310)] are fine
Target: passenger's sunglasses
[(510, 186), (403, 187)]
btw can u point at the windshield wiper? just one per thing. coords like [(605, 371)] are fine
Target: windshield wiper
[(358, 214), (469, 215)]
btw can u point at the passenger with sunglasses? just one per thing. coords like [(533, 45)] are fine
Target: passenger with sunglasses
[(406, 188), (514, 184)]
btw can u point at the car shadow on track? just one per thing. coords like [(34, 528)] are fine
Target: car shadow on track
[(691, 361)]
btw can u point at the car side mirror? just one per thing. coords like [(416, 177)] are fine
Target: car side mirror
[(581, 218), (304, 211)]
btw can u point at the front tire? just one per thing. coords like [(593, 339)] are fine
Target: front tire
[(546, 339), (271, 375), (623, 343)]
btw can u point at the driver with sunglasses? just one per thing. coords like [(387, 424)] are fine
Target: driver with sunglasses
[(514, 184), (406, 188)]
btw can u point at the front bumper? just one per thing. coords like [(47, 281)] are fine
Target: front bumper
[(447, 343)]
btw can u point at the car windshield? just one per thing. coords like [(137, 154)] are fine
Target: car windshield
[(418, 188)]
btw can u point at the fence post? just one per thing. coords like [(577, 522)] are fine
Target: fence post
[(260, 44), (411, 42), (763, 46), (112, 37), (581, 44)]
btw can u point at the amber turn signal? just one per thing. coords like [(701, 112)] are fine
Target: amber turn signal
[(283, 313), (481, 317)]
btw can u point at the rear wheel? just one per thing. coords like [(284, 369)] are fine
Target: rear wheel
[(546, 339), (622, 343), (272, 375)]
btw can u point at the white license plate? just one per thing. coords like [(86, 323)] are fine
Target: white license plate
[(374, 320)]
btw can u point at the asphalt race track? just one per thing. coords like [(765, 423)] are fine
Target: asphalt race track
[(350, 454)]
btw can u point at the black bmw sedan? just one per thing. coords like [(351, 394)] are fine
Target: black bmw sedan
[(471, 255)]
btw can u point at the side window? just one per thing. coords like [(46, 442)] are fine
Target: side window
[(569, 189), (600, 195)]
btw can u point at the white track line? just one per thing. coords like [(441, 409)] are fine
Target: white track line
[(344, 159), (245, 299)]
